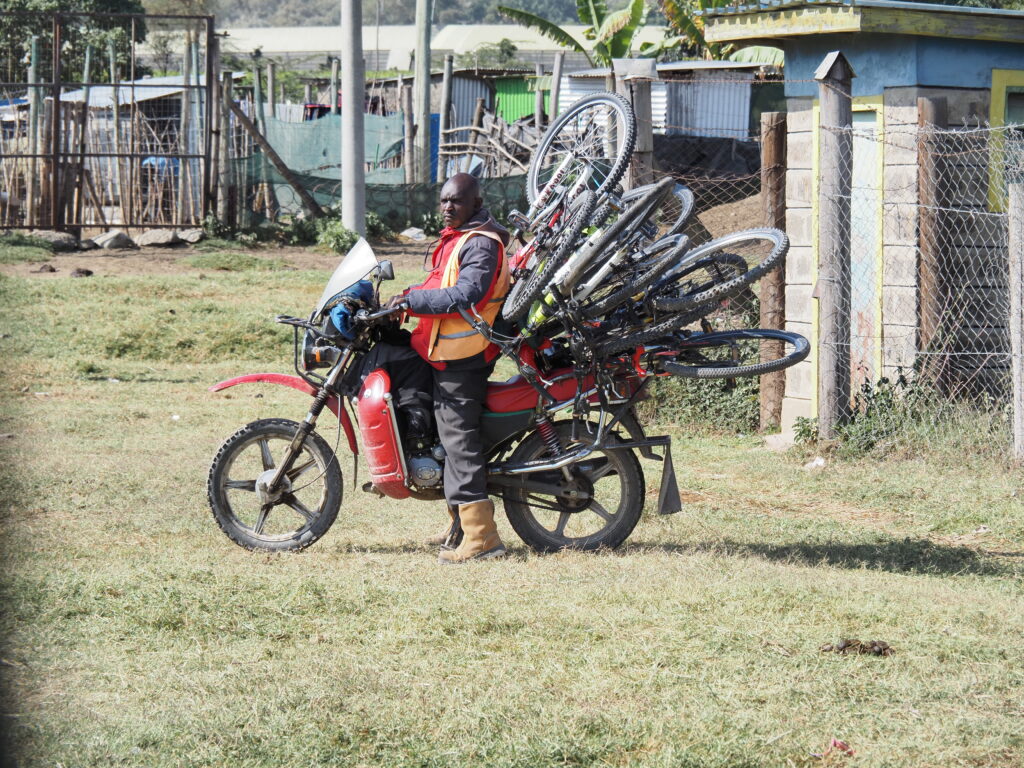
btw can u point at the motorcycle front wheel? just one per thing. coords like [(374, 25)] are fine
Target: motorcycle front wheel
[(301, 510), (598, 510)]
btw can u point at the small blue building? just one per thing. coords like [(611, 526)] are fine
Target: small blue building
[(899, 52)]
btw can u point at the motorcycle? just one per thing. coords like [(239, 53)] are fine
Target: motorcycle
[(561, 438)]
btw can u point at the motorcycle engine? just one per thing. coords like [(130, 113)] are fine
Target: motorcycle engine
[(426, 472)]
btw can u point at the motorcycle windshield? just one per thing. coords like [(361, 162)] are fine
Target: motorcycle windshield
[(359, 262)]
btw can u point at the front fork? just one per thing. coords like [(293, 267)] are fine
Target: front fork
[(308, 424)]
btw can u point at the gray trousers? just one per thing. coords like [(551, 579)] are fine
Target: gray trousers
[(458, 408), (458, 400)]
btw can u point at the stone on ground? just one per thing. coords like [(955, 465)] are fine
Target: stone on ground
[(115, 239), (159, 238), (192, 236), (61, 241)]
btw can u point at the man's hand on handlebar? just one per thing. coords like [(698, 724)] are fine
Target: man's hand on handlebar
[(396, 302)]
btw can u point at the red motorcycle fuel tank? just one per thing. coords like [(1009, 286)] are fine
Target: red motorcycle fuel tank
[(381, 444)]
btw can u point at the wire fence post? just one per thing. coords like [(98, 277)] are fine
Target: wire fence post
[(409, 147), (1015, 211), (773, 285), (834, 76), (633, 81)]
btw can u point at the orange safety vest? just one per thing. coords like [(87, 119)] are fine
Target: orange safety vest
[(450, 337)]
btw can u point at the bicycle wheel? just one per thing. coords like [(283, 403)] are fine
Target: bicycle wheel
[(731, 354), (599, 130), (548, 259), (634, 278), (760, 250)]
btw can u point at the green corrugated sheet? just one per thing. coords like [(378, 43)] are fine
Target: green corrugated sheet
[(516, 98)]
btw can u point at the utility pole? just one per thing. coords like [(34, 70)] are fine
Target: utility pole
[(421, 90), (353, 93)]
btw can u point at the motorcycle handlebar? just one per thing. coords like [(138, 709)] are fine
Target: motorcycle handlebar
[(368, 317)]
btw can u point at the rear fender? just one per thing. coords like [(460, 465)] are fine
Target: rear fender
[(294, 382)]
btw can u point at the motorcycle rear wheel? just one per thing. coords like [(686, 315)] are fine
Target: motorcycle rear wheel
[(603, 521), (303, 511)]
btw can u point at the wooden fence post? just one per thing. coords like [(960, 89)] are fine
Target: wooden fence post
[(556, 84), (1015, 214), (409, 148), (228, 197), (773, 285), (834, 76), (538, 101), (633, 81), (446, 110)]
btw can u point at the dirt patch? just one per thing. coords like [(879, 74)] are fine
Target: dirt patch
[(732, 217)]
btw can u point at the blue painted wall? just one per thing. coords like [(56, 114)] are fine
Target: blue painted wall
[(888, 61)]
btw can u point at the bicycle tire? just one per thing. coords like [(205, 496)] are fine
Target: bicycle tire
[(652, 270), (559, 139), (528, 288), (722, 369), (722, 290)]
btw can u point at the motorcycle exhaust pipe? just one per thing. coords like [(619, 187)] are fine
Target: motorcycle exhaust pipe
[(542, 465)]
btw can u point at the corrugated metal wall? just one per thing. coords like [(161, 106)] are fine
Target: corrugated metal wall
[(515, 99), (465, 92), (711, 104)]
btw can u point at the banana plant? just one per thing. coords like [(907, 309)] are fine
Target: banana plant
[(610, 34), (689, 26)]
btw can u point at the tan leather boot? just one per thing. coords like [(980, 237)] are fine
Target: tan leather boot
[(480, 540), (451, 530)]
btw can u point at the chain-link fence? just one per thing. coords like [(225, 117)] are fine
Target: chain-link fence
[(927, 269)]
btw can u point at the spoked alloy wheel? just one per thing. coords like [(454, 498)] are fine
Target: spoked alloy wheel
[(599, 130), (753, 253), (598, 509), (300, 511)]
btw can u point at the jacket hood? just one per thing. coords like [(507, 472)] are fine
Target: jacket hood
[(483, 220)]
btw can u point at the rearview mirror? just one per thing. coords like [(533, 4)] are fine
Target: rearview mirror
[(387, 271)]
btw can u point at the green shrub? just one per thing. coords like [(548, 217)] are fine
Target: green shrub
[(718, 405), (332, 234), (377, 228)]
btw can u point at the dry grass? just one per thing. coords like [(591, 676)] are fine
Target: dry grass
[(136, 634)]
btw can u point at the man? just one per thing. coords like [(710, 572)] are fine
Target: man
[(469, 271)]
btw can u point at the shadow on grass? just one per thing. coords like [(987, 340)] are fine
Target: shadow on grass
[(887, 554)]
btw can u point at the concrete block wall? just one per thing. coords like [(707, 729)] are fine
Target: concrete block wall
[(800, 260), (900, 229)]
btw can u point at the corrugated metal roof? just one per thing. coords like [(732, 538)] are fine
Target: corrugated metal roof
[(146, 89), (772, 5), (677, 66)]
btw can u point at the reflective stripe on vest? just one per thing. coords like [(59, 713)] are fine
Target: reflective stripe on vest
[(452, 338)]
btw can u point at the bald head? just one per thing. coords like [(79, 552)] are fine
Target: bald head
[(460, 199)]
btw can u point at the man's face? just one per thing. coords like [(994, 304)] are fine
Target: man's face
[(458, 204)]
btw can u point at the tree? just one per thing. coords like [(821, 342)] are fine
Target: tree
[(610, 34), (689, 27), (490, 56), (21, 19)]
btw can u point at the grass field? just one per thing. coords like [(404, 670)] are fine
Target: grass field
[(136, 634)]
